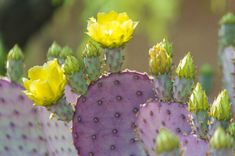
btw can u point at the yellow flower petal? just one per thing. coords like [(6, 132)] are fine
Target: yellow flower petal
[(45, 84), (111, 29), (36, 72)]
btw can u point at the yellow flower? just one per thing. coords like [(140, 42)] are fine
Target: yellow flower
[(45, 84), (111, 29)]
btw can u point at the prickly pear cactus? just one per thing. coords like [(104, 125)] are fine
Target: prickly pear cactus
[(227, 55), (105, 119), (58, 135), (71, 97), (27, 131), (154, 115), (118, 114), (228, 59), (194, 146)]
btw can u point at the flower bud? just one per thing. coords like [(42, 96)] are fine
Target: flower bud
[(71, 65), (221, 140), (186, 68), (221, 108), (160, 62), (54, 51), (166, 141), (198, 100)]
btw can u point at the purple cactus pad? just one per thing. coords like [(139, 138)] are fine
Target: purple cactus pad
[(104, 123), (194, 146), (154, 115), (27, 131)]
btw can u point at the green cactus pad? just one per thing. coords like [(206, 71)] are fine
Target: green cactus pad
[(182, 88), (114, 58), (163, 87)]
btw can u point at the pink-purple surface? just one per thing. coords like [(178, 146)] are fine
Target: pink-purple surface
[(105, 120), (154, 115), (26, 130)]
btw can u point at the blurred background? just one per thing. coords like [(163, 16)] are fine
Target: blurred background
[(191, 25)]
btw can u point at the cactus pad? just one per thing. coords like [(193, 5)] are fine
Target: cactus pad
[(228, 66), (27, 131), (194, 146), (154, 115), (104, 121), (71, 97)]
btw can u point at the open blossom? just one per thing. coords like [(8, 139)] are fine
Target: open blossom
[(111, 29), (45, 84)]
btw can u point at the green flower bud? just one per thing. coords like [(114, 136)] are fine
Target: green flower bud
[(168, 46), (186, 68), (15, 54), (72, 65), (91, 50), (198, 100), (166, 141), (66, 51), (54, 51), (15, 64), (229, 18), (160, 62), (231, 129), (221, 140), (221, 108)]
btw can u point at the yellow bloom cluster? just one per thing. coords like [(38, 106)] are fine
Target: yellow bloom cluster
[(160, 62), (111, 29), (45, 84)]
